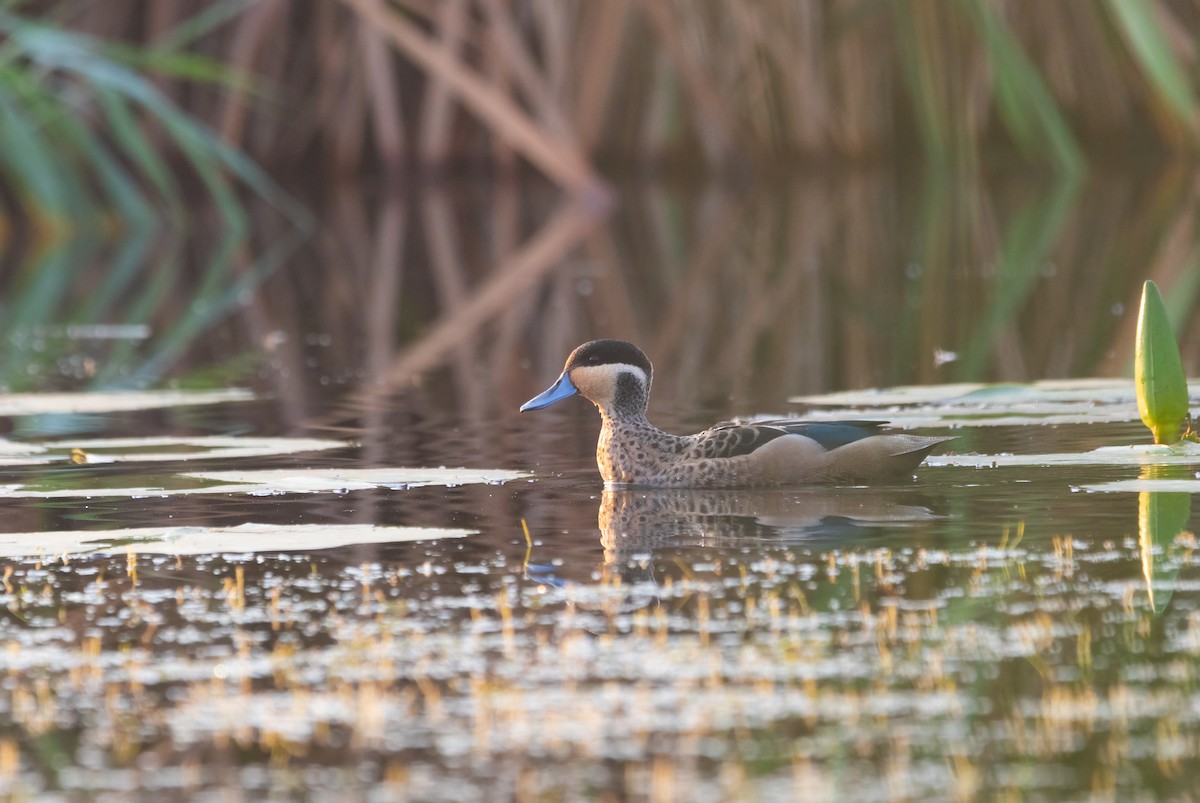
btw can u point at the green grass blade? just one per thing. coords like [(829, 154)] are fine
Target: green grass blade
[(1025, 103), (119, 187), (188, 66), (1148, 42), (214, 161), (209, 155), (919, 74), (1162, 394), (127, 134), (213, 16)]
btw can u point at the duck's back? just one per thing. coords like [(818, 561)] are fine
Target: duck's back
[(789, 452)]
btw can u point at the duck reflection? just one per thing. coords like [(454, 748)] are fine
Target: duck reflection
[(646, 531), (634, 522)]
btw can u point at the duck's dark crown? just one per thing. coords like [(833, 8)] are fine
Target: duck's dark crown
[(609, 352)]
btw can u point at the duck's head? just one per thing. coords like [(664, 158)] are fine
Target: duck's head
[(612, 374)]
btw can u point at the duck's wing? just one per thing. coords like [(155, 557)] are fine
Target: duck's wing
[(733, 439)]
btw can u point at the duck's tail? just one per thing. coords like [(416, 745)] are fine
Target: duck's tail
[(881, 457)]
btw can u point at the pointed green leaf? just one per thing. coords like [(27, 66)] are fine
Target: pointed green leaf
[(1162, 394)]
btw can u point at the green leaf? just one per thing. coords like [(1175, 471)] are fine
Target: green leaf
[(1166, 76), (209, 18), (128, 136), (1024, 101), (36, 114), (1162, 393)]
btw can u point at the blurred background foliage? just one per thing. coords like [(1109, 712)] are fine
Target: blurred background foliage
[(134, 92), (943, 161)]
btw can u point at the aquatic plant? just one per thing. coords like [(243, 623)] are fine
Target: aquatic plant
[(559, 84), (1162, 392), (89, 140)]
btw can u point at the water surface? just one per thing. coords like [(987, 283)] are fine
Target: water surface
[(973, 632)]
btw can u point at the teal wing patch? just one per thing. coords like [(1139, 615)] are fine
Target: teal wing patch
[(736, 440)]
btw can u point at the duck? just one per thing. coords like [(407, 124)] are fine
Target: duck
[(631, 452)]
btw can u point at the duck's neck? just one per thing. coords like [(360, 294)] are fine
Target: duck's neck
[(631, 450)]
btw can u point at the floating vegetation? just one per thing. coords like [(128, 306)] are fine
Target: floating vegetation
[(21, 404), (316, 479), (157, 449), (1180, 454), (266, 482), (1060, 401), (239, 539), (908, 641), (769, 673), (1145, 485)]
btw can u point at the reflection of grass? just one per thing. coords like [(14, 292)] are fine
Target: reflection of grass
[(85, 480), (1025, 249), (137, 284), (91, 148)]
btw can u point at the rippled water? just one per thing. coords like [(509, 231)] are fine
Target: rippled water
[(977, 632)]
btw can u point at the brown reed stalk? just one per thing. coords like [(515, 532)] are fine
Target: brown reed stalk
[(595, 78), (507, 121), (714, 125), (637, 81), (384, 91), (437, 104)]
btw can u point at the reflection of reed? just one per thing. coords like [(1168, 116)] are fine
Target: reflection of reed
[(741, 299)]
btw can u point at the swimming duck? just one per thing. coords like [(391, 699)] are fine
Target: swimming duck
[(616, 377)]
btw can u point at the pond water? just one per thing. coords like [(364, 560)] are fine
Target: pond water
[(253, 568)]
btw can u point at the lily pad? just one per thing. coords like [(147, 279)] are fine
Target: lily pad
[(1058, 401), (276, 481), (19, 404), (244, 538), (1133, 455), (1087, 389), (1143, 485), (319, 480), (156, 450), (21, 454)]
